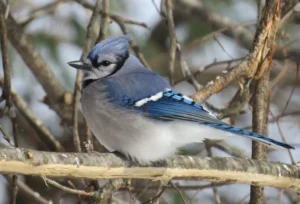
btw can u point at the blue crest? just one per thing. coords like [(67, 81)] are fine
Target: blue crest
[(117, 46)]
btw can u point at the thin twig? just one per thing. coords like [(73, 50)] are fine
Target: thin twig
[(273, 120), (104, 21), (157, 9), (38, 125), (283, 138), (13, 117), (283, 112), (162, 8), (255, 64), (222, 47), (6, 137), (158, 195), (260, 6), (186, 70), (181, 187), (88, 39), (144, 190), (7, 95), (196, 10), (287, 15), (15, 189), (279, 77), (6, 67), (69, 190), (42, 11), (34, 61), (76, 138), (209, 36), (172, 50), (132, 43), (77, 88), (206, 67), (159, 188), (89, 145), (114, 17), (292, 113), (292, 92), (86, 47), (178, 191), (29, 191)]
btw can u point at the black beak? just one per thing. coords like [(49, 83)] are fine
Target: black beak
[(79, 65)]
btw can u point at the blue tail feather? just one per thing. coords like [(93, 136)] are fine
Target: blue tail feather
[(251, 135)]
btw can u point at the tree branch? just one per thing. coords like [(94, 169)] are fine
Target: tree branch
[(259, 58), (173, 41), (192, 9), (260, 117), (112, 16), (6, 95), (69, 190), (37, 124), (98, 166), (7, 92), (33, 60), (77, 86), (136, 49), (25, 189), (104, 21)]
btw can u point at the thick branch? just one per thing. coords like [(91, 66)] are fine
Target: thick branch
[(97, 166), (259, 58), (260, 125)]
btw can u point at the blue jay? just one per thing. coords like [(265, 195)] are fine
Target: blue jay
[(136, 112)]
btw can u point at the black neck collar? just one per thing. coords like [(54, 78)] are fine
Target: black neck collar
[(87, 82)]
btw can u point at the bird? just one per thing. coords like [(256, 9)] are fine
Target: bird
[(136, 112)]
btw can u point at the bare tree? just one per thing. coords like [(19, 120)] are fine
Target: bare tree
[(33, 147)]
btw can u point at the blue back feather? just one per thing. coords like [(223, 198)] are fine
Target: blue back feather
[(120, 86)]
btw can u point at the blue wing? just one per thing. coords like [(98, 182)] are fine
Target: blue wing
[(170, 105), (173, 106), (151, 99)]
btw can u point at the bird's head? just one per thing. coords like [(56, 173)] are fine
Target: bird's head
[(106, 58)]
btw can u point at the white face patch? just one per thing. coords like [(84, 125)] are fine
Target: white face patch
[(151, 98), (99, 72)]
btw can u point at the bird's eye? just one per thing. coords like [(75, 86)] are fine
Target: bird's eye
[(105, 63)]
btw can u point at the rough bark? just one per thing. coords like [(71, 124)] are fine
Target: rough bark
[(99, 166)]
